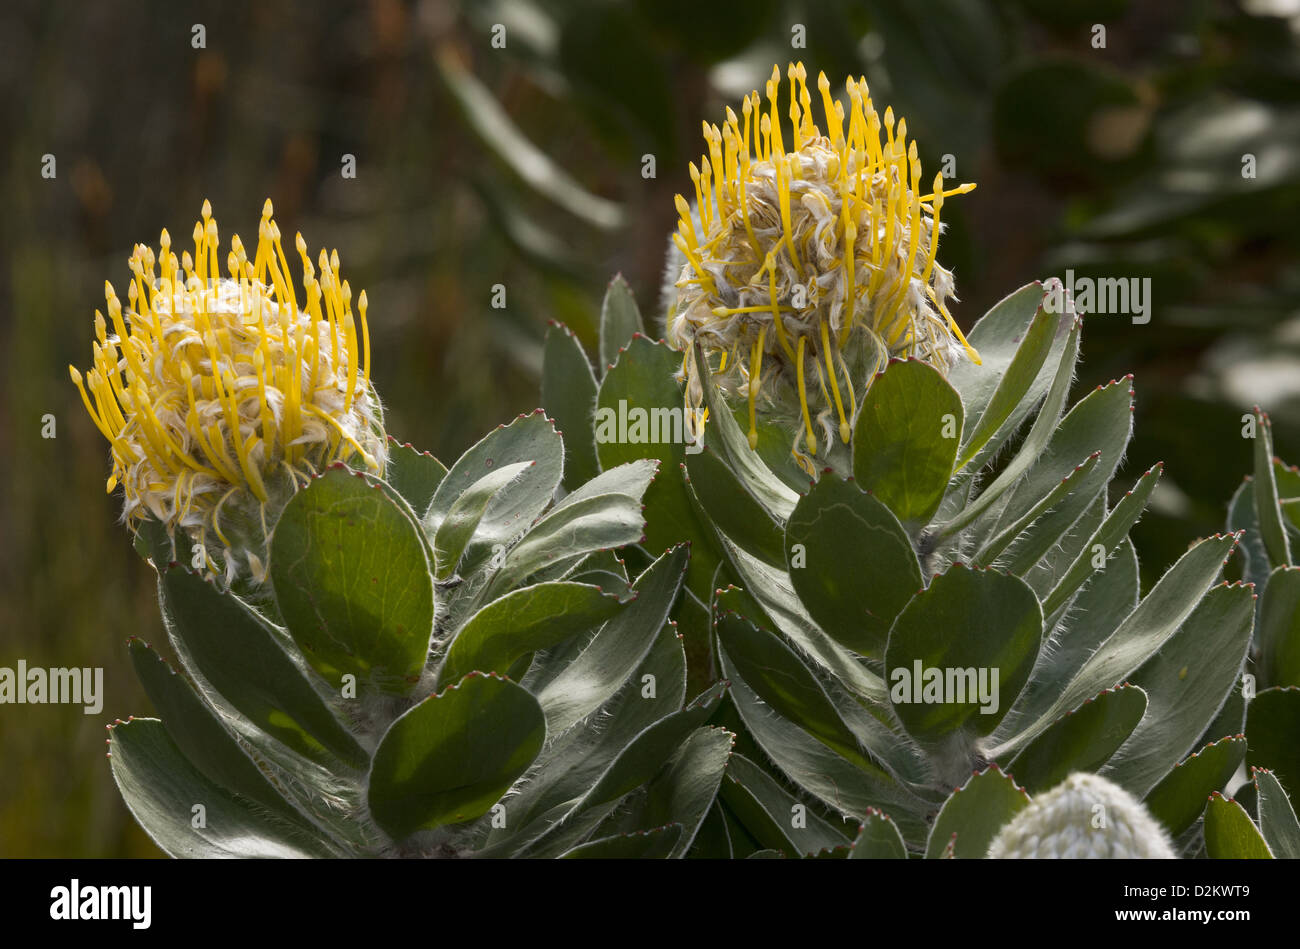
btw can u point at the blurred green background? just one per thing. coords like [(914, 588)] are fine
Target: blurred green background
[(521, 165)]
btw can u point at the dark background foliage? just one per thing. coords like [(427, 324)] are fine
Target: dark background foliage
[(1122, 161)]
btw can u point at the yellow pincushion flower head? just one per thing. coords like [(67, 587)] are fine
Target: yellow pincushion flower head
[(219, 396), (805, 269)]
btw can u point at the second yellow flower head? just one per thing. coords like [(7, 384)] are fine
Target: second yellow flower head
[(796, 255)]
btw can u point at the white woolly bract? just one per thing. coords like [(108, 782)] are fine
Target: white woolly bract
[(1085, 816)]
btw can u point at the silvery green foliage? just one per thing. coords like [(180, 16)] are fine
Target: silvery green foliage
[(445, 663), (486, 660), (956, 594)]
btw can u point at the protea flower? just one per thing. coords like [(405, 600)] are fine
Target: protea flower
[(1083, 816), (219, 395), (807, 269)]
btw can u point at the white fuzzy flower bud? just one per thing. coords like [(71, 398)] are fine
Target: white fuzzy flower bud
[(1083, 816)]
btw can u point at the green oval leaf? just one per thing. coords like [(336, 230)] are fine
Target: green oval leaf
[(774, 817), (1108, 536), (1267, 507), (1180, 796), (618, 648), (878, 839), (1279, 628), (656, 844), (640, 414), (839, 783), (161, 788), (569, 397), (639, 761), (851, 563), (905, 439), (961, 651), (413, 474), (1083, 740), (772, 670), (723, 499), (1101, 421), (975, 813), (683, 790), (569, 533), (200, 736), (1230, 834), (1277, 819), (1186, 683), (523, 621), (450, 758), (531, 439), (1160, 614), (458, 527), (773, 592), (242, 657), (352, 580), (620, 320), (997, 336), (1273, 734), (1015, 393)]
